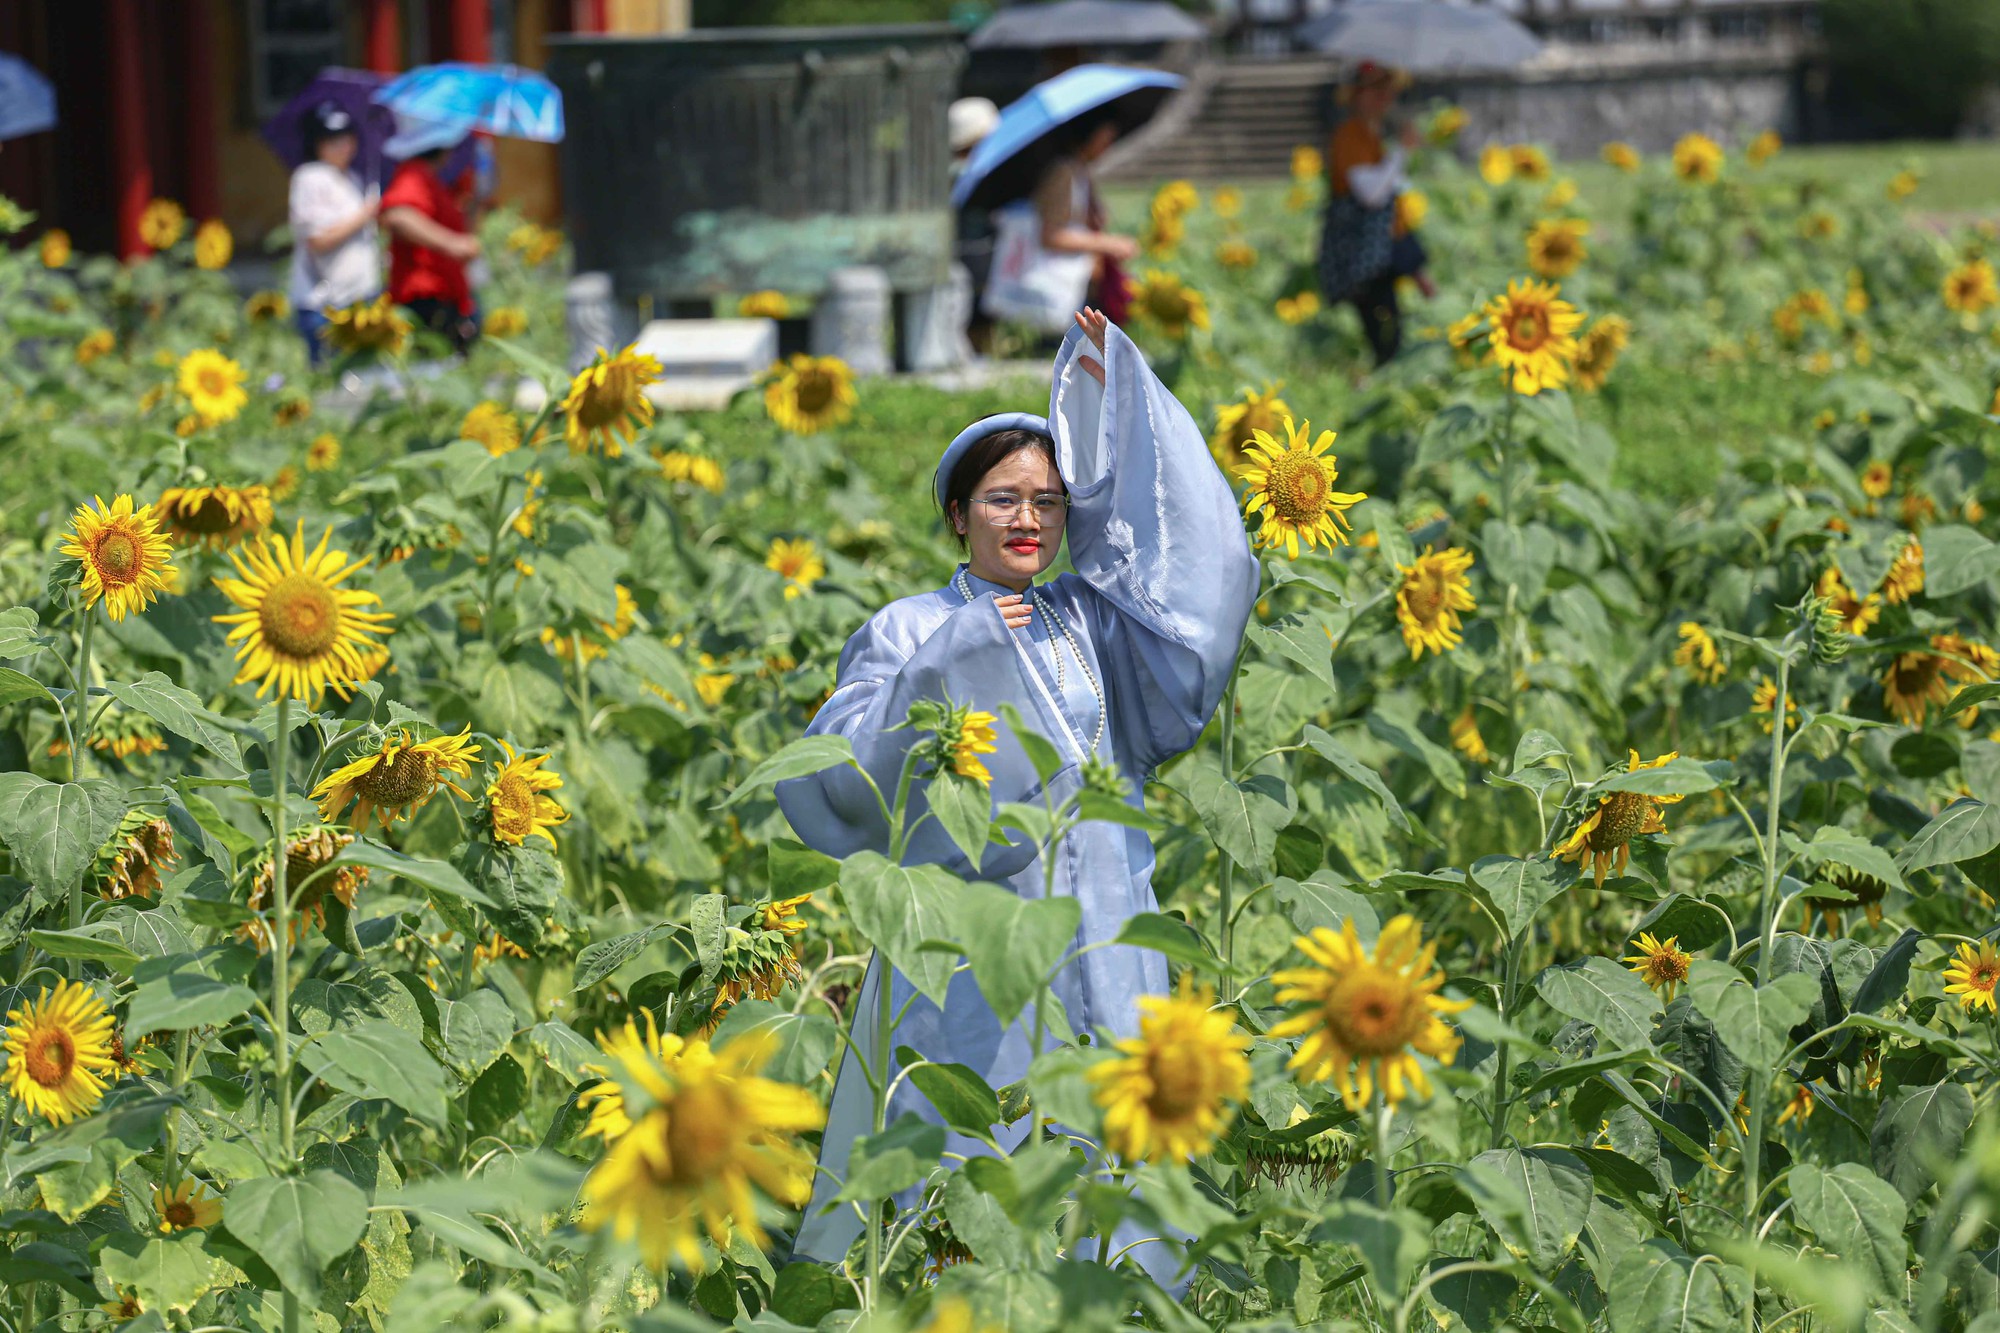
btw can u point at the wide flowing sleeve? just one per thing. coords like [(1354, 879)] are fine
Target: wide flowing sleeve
[(901, 656), (1155, 532)]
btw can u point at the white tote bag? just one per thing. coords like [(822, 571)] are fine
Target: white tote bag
[(1028, 284)]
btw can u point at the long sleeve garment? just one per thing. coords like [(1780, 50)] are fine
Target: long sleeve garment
[(1163, 587)]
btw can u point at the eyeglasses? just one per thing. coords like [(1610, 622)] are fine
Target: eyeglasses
[(1002, 510)]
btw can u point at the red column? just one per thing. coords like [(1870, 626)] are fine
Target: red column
[(587, 15), (385, 36), (470, 20), (129, 162), (204, 178)]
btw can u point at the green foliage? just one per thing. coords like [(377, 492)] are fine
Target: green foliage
[(1919, 61)]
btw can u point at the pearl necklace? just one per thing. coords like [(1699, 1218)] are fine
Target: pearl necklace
[(1056, 625)]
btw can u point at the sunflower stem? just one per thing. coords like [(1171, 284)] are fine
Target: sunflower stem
[(281, 960), (1226, 876), (1753, 1141), (1383, 1114), (76, 744)]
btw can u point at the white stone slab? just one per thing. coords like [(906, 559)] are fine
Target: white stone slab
[(706, 362)]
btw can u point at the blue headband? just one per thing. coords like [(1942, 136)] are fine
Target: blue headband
[(976, 432)]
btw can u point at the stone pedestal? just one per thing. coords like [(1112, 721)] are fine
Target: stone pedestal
[(853, 320), (934, 324), (706, 362), (593, 318)]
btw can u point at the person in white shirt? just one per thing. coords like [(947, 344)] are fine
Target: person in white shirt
[(335, 259)]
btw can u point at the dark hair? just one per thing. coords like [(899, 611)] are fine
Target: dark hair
[(985, 455), (327, 121)]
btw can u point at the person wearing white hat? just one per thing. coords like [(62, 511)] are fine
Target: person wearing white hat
[(334, 257), (970, 120), (430, 242)]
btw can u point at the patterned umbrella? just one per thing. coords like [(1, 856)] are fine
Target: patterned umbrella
[(499, 99)]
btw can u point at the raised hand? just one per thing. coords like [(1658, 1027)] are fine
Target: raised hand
[(1093, 323)]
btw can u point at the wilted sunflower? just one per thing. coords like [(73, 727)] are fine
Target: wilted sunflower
[(1699, 654), (1365, 1018), (783, 915), (59, 1053), (1465, 737), (1236, 255), (1556, 248), (323, 454), (123, 734), (494, 949), (1799, 1106), (185, 1206), (518, 801), (1175, 1085), (1238, 422), (397, 778), (367, 326), (131, 861), (266, 307), (607, 402), (798, 561), (1972, 976), (306, 887), (1623, 156), (299, 629), (1698, 159), (96, 343), (1291, 487), (506, 321), (1533, 335), (55, 248), (679, 465), (215, 516), (212, 385), (1169, 304), (1905, 578), (1597, 351), (1916, 680), (1856, 614), (161, 224), (766, 304), (127, 561), (1604, 839), (1428, 602), (1762, 148), (1862, 890), (687, 1164), (1764, 699), (213, 245), (807, 394), (1971, 287), (1662, 965)]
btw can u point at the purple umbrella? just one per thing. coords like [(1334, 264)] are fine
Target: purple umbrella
[(350, 90)]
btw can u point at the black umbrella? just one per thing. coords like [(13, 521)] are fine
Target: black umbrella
[(1421, 36), (1088, 23)]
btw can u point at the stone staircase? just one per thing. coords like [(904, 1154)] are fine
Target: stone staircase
[(1237, 120)]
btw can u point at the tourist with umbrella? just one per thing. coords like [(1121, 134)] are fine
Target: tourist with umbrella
[(430, 242), (1364, 248), (335, 261)]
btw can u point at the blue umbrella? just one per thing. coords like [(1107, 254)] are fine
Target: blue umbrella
[(27, 100), (1009, 162), (499, 99), (348, 89)]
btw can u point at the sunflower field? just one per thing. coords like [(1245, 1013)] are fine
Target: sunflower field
[(1583, 902)]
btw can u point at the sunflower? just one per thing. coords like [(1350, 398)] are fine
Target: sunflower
[(1604, 838), (798, 561), (1856, 614), (187, 1205), (1236, 423), (323, 454), (59, 1053), (1465, 737), (1764, 699), (1161, 234), (1597, 351), (494, 949), (1291, 486), (130, 863), (968, 734), (1876, 479), (1412, 207), (212, 384), (306, 888), (687, 1164), (292, 409), (1556, 248), (1227, 201), (624, 614), (1623, 156), (1297, 309), (678, 465), (1173, 1089), (55, 248), (216, 516), (124, 1305), (1819, 225), (808, 394), (518, 801), (397, 778), (1446, 124), (1530, 162), (1307, 164), (1855, 303), (1902, 185), (1461, 334), (1799, 1107), (1762, 148), (766, 304), (1699, 654), (213, 245), (367, 326), (1915, 680), (123, 734), (507, 321), (161, 224), (284, 483), (1864, 891), (783, 915), (1175, 199), (604, 1101), (1905, 578), (1972, 976), (1365, 1019), (300, 630), (1698, 159), (1169, 304), (1533, 335), (1236, 255), (266, 307), (1916, 509), (1496, 165), (127, 561), (1971, 287), (96, 343), (491, 425), (1433, 593), (1662, 965), (607, 403)]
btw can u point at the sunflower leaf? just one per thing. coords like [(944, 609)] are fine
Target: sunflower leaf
[(1676, 777), (1599, 992), (55, 828)]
